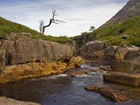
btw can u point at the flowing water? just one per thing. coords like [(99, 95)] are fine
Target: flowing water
[(61, 89)]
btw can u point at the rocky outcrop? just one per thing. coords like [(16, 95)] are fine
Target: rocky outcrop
[(24, 57), (111, 93), (125, 72), (22, 49), (93, 49), (99, 49), (9, 101)]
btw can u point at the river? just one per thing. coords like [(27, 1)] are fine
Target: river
[(61, 89)]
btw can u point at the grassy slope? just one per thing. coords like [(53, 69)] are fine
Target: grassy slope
[(6, 27), (112, 34)]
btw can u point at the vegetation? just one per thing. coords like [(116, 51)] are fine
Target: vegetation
[(114, 34), (7, 27)]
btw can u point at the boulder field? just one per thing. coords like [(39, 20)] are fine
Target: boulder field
[(100, 49)]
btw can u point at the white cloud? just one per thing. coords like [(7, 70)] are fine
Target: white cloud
[(79, 15)]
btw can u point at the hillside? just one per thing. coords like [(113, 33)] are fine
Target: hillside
[(132, 8), (7, 27), (123, 28)]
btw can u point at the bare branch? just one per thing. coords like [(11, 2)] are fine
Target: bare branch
[(52, 20)]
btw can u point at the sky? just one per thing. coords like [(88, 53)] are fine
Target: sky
[(78, 15)]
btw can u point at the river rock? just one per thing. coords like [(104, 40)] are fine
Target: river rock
[(9, 101), (76, 61), (113, 94), (123, 78), (23, 49)]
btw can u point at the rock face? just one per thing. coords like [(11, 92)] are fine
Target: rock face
[(9, 101), (23, 49)]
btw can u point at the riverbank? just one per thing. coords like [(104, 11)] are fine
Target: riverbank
[(9, 101)]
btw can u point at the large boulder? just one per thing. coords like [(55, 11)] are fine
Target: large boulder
[(23, 49), (110, 51), (93, 49), (120, 52), (76, 61), (121, 66), (123, 78)]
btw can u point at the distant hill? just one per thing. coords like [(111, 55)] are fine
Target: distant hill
[(132, 8), (7, 27)]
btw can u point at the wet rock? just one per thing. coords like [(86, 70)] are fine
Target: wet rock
[(123, 78), (22, 71), (74, 73), (113, 94), (9, 101)]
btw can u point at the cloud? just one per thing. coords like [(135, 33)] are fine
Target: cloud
[(79, 15)]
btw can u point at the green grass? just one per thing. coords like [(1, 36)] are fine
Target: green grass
[(7, 27)]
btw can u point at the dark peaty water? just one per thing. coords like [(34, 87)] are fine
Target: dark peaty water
[(60, 90)]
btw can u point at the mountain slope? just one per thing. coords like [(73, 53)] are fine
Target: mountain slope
[(132, 8)]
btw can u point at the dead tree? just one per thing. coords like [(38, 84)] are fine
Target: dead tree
[(41, 25), (52, 20)]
